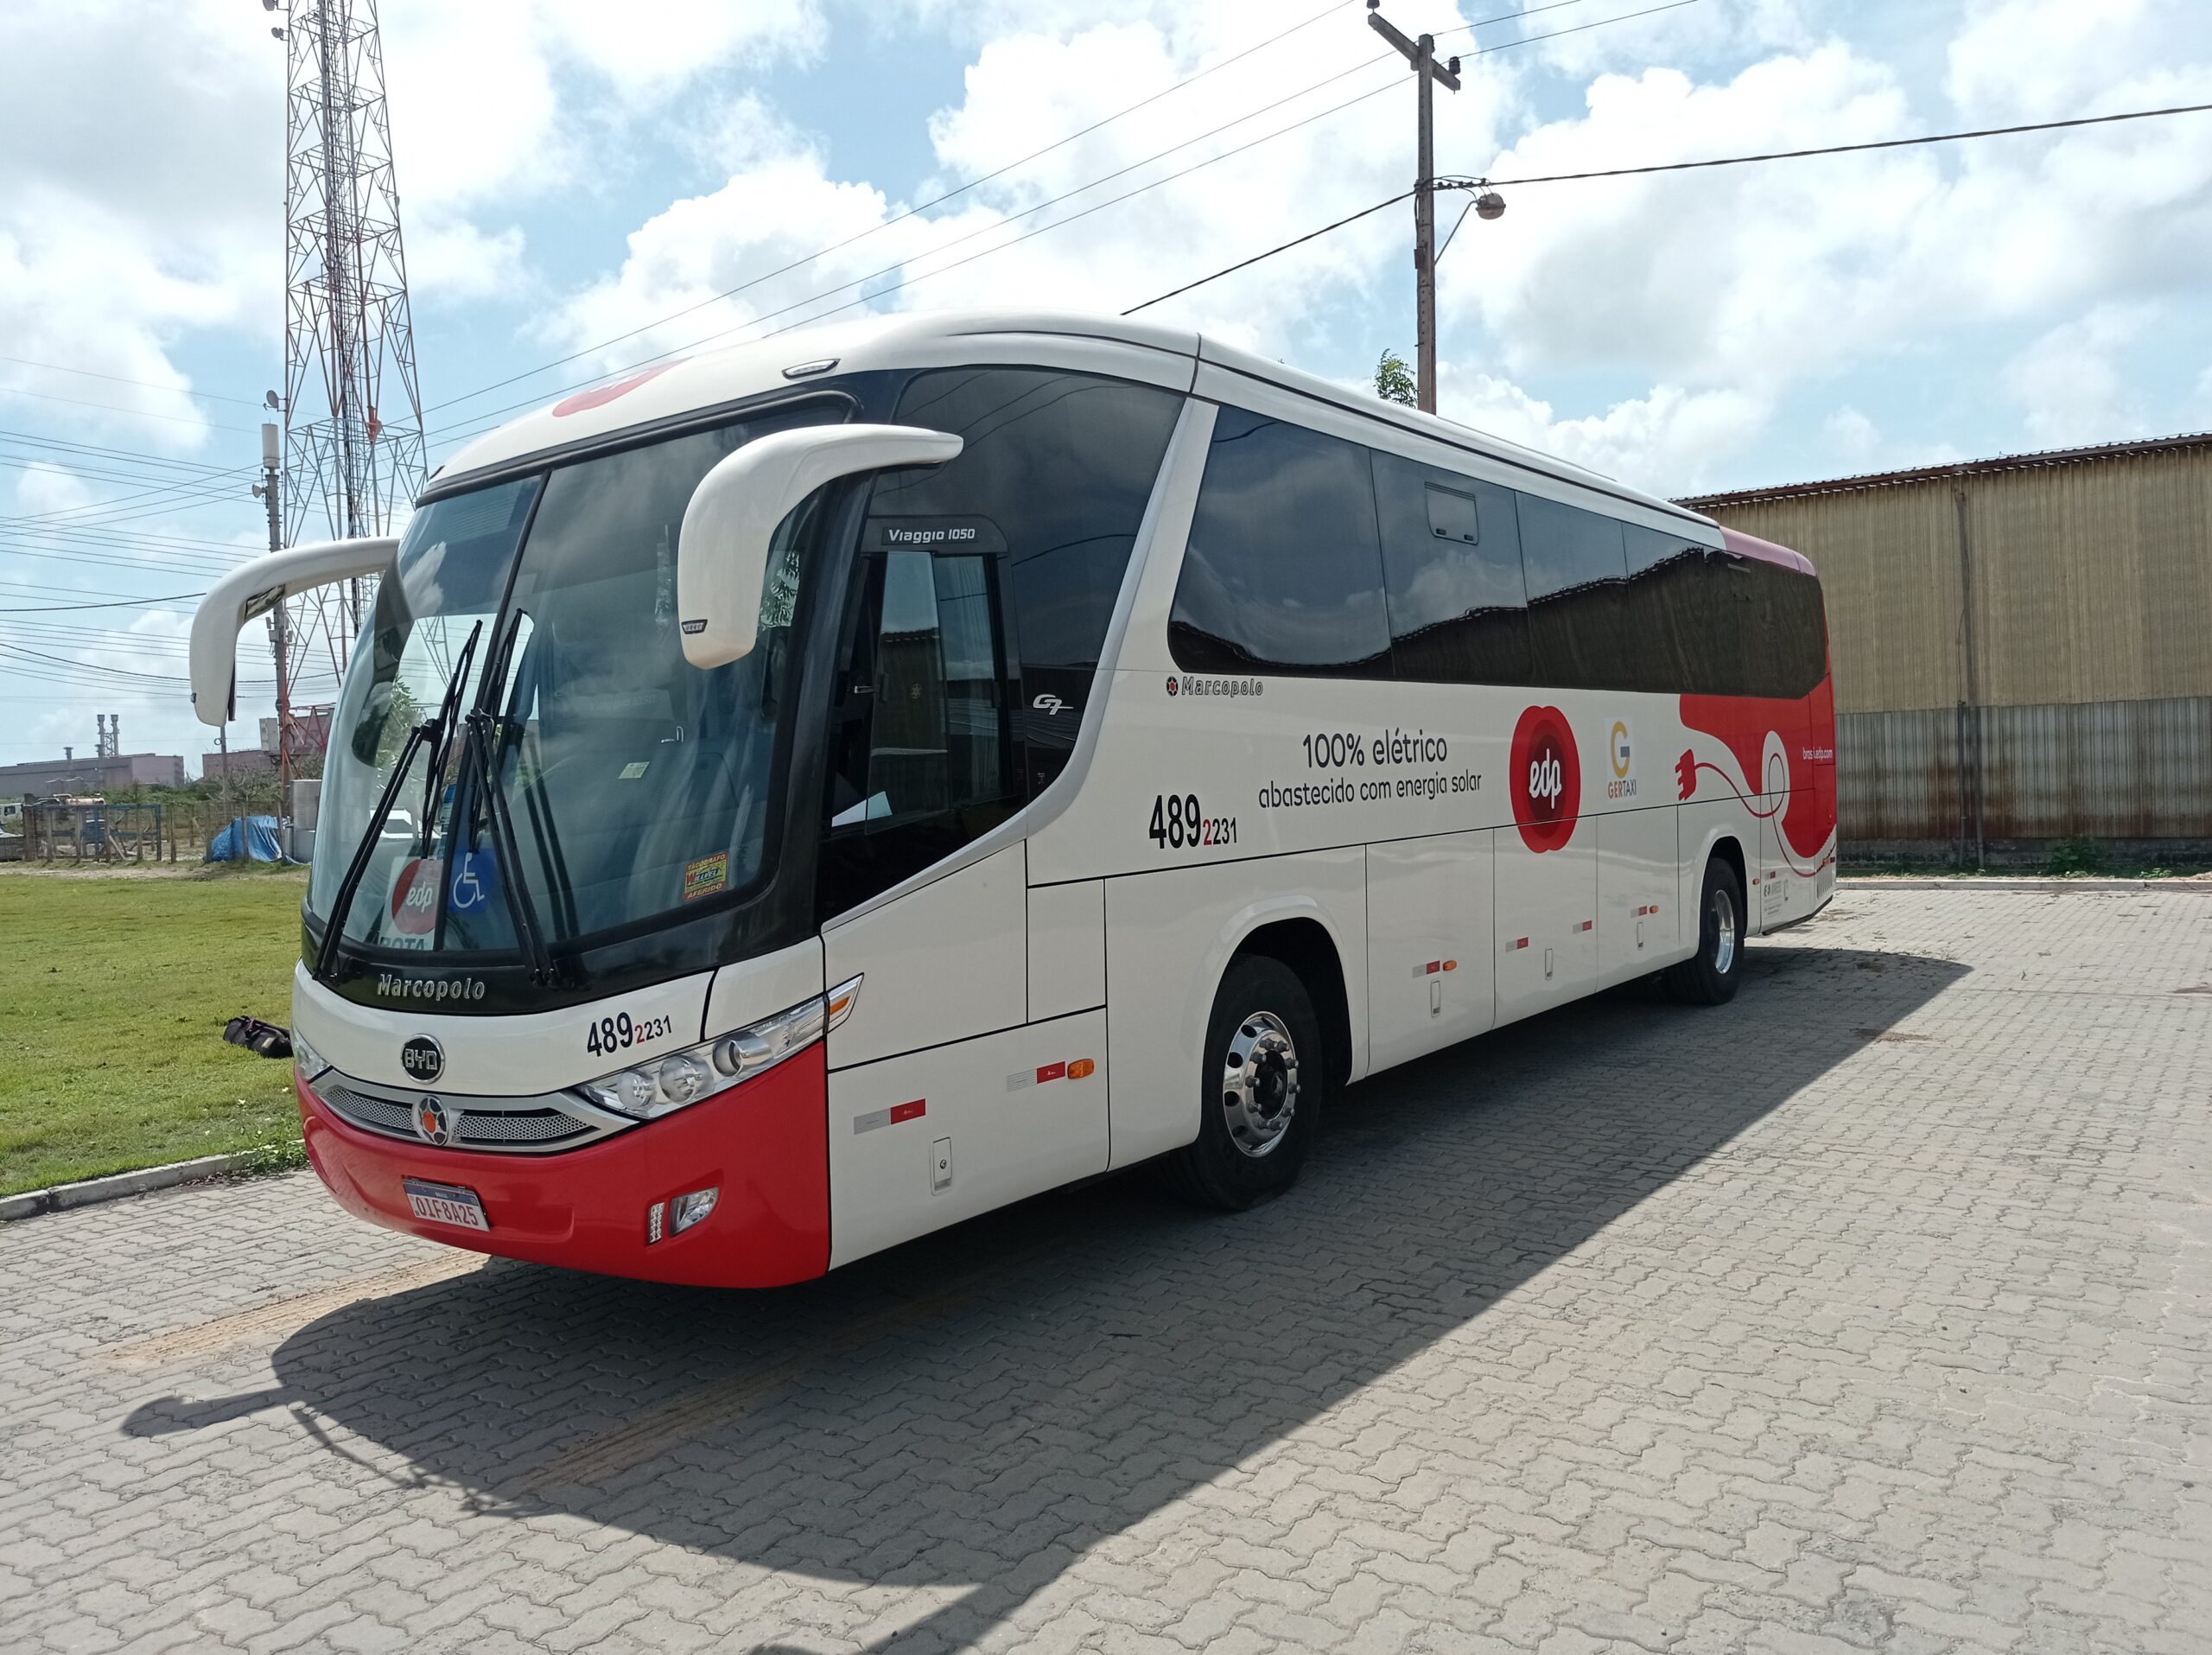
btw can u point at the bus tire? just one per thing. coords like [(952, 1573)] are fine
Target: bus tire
[(1709, 977), (1265, 1074)]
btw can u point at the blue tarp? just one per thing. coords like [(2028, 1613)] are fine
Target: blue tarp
[(260, 840)]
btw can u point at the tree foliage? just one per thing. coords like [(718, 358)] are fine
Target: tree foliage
[(1394, 380)]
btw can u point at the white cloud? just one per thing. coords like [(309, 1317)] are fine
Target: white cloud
[(572, 77), (41, 488), (454, 259), (1022, 90), (134, 191), (1852, 438), (2070, 383), (1664, 442)]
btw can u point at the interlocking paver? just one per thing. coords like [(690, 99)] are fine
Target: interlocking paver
[(1870, 1312)]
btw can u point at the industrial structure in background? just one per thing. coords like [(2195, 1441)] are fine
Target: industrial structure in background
[(352, 453), (2022, 650)]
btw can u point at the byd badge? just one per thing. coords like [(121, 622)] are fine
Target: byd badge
[(1546, 779)]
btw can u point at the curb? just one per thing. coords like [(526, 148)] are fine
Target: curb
[(32, 1202), (1981, 882)]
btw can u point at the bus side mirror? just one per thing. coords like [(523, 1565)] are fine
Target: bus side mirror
[(721, 559), (254, 589)]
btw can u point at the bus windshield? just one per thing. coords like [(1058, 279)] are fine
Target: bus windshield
[(634, 784)]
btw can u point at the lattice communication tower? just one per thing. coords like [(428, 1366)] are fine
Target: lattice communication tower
[(352, 409)]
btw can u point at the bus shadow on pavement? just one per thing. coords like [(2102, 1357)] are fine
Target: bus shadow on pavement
[(982, 1406)]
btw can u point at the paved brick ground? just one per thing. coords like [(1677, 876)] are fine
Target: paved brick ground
[(1867, 1314)]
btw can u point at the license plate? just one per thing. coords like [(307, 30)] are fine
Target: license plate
[(444, 1204)]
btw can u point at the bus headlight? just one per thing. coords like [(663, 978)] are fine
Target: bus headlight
[(649, 1090), (306, 1062)]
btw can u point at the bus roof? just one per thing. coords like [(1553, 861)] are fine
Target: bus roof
[(667, 391)]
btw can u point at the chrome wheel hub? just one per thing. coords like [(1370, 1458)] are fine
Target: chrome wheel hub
[(1724, 932), (1259, 1084)]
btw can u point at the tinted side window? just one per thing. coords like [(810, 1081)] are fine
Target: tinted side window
[(1736, 626), (1452, 562), (1787, 650), (1061, 465), (1579, 628), (1283, 573), (1662, 573)]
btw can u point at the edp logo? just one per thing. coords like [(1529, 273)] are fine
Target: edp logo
[(1546, 779)]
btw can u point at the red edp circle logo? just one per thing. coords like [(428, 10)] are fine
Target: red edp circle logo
[(1547, 777), (415, 897)]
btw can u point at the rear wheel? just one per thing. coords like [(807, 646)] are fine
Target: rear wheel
[(1708, 977), (1262, 1080)]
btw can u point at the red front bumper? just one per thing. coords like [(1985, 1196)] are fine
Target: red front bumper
[(764, 1143)]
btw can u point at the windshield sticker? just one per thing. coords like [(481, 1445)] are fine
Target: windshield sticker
[(631, 771), (413, 906), (706, 877), (475, 882)]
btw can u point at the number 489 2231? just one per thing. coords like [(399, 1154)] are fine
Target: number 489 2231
[(1178, 823)]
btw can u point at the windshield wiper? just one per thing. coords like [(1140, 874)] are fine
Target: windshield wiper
[(435, 732), (478, 727)]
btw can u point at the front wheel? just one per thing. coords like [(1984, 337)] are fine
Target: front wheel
[(1709, 977), (1262, 1079)]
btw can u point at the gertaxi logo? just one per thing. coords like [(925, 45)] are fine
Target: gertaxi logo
[(1547, 777), (1623, 784)]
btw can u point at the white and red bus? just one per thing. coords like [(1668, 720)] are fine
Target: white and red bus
[(802, 797)]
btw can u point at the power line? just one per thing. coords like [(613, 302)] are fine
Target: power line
[(39, 440), (1684, 166), (912, 212), (1528, 11), (113, 603), (118, 408), (1300, 241), (117, 379), (39, 656), (1851, 148), (870, 298)]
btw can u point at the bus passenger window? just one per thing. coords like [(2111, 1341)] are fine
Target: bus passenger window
[(1452, 560), (1578, 624), (1283, 573), (1788, 656), (1662, 574), (1061, 465)]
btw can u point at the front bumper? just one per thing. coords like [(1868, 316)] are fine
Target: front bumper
[(764, 1143)]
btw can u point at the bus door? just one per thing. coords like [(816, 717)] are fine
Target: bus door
[(926, 1123)]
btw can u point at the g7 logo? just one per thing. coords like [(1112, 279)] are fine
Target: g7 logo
[(1050, 705)]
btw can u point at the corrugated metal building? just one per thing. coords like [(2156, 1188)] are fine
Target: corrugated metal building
[(2023, 648), (92, 775)]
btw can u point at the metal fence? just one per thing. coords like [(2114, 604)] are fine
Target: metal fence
[(2136, 774)]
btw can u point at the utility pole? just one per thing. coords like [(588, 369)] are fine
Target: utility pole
[(272, 464), (1421, 54)]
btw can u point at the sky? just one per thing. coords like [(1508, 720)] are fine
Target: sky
[(580, 182)]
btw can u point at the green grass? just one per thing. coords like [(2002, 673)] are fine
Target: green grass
[(114, 989)]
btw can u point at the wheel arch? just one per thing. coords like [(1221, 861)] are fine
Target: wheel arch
[(1304, 944), (1724, 846)]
